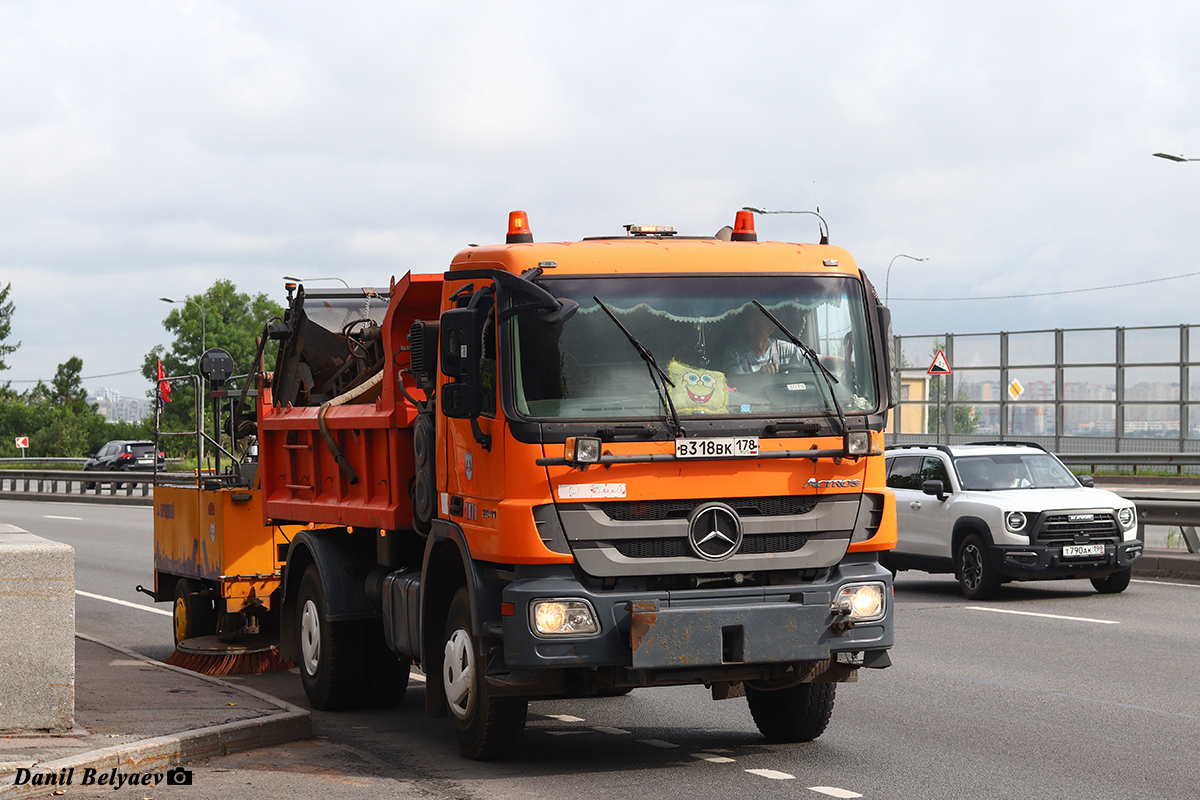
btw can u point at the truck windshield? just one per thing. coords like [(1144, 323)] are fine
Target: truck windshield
[(723, 355)]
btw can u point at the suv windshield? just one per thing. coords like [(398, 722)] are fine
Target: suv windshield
[(723, 355), (1033, 471)]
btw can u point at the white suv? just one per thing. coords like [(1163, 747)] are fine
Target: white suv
[(1002, 511)]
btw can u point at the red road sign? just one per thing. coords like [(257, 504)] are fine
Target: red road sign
[(22, 442), (939, 366)]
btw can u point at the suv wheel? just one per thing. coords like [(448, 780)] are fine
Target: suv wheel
[(1114, 583), (976, 576)]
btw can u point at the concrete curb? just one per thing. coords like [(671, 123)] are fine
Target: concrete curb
[(288, 725), (1168, 564), (62, 497)]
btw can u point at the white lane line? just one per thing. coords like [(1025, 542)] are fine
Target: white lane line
[(606, 729), (416, 677), (563, 717), (713, 758), (774, 775), (1165, 583), (51, 516), (1046, 616), (834, 791), (658, 743), (151, 609)]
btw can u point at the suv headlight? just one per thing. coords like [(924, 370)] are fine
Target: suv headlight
[(1015, 521), (864, 601), (1127, 517), (562, 618)]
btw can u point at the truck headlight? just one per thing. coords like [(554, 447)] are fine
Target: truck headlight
[(858, 443), (1127, 517), (864, 601), (581, 451), (1015, 521), (562, 618)]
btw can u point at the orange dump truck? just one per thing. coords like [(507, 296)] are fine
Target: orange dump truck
[(579, 468)]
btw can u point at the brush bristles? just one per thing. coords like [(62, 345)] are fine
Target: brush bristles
[(233, 664)]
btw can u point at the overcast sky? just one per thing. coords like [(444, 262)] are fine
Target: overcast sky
[(151, 148)]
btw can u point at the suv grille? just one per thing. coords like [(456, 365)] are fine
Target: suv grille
[(642, 511), (1061, 529), (677, 546)]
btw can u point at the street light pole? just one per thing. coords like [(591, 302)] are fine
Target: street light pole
[(203, 322), (1170, 157), (888, 279), (302, 280)]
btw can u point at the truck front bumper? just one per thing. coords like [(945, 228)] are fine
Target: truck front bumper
[(697, 628), (1042, 562)]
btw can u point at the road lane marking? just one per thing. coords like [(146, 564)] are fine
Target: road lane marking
[(1046, 616), (416, 677), (124, 603), (1165, 583), (563, 717), (606, 729), (834, 791), (658, 743), (713, 758), (774, 775), (51, 516)]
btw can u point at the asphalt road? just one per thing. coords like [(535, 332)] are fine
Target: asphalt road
[(1052, 691)]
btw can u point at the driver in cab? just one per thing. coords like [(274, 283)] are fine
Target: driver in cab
[(758, 351)]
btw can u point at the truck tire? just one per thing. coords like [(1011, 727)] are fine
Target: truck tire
[(192, 614), (795, 714), (331, 653), (487, 728), (976, 576), (1114, 583)]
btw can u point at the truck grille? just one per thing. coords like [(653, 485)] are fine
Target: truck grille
[(643, 511), (1061, 529), (677, 547)]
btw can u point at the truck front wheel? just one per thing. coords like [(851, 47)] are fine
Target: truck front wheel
[(795, 714), (1114, 583), (486, 727)]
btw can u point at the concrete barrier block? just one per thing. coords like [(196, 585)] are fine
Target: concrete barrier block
[(37, 633)]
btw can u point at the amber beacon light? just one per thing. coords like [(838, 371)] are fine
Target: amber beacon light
[(518, 228), (743, 227)]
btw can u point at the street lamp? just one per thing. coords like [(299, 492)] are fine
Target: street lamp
[(203, 325), (302, 280), (1170, 157), (888, 279)]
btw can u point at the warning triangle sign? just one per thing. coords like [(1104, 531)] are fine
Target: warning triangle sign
[(939, 366)]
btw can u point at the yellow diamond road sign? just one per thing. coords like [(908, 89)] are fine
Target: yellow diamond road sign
[(1015, 388)]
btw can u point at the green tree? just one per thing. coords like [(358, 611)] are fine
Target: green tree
[(231, 320), (6, 312)]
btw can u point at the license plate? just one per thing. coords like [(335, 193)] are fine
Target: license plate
[(1079, 550), (717, 447)]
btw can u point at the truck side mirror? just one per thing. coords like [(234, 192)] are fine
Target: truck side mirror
[(458, 345), (892, 385), (935, 488)]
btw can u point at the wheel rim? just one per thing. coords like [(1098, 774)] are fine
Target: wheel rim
[(181, 623), (458, 674), (310, 637), (972, 567)]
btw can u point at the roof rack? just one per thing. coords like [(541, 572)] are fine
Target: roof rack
[(1014, 443), (945, 448)]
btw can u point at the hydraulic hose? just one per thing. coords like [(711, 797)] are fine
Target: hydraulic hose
[(341, 399)]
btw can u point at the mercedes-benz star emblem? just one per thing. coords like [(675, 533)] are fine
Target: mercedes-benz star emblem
[(714, 531)]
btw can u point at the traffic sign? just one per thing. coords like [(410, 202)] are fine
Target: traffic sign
[(1015, 389), (23, 442), (940, 365)]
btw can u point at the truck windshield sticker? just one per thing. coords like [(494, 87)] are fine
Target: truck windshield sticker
[(590, 491)]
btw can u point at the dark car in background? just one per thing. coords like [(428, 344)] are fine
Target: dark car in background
[(125, 456)]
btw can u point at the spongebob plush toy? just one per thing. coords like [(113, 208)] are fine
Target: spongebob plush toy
[(698, 391)]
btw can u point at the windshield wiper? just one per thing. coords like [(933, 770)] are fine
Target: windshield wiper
[(657, 376), (829, 377)]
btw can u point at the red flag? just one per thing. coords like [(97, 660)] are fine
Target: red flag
[(164, 388)]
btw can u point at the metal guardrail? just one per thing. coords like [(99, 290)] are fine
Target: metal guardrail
[(54, 460), (1182, 514), (76, 484), (1134, 460)]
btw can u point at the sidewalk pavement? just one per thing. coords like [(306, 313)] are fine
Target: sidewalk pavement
[(137, 715)]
